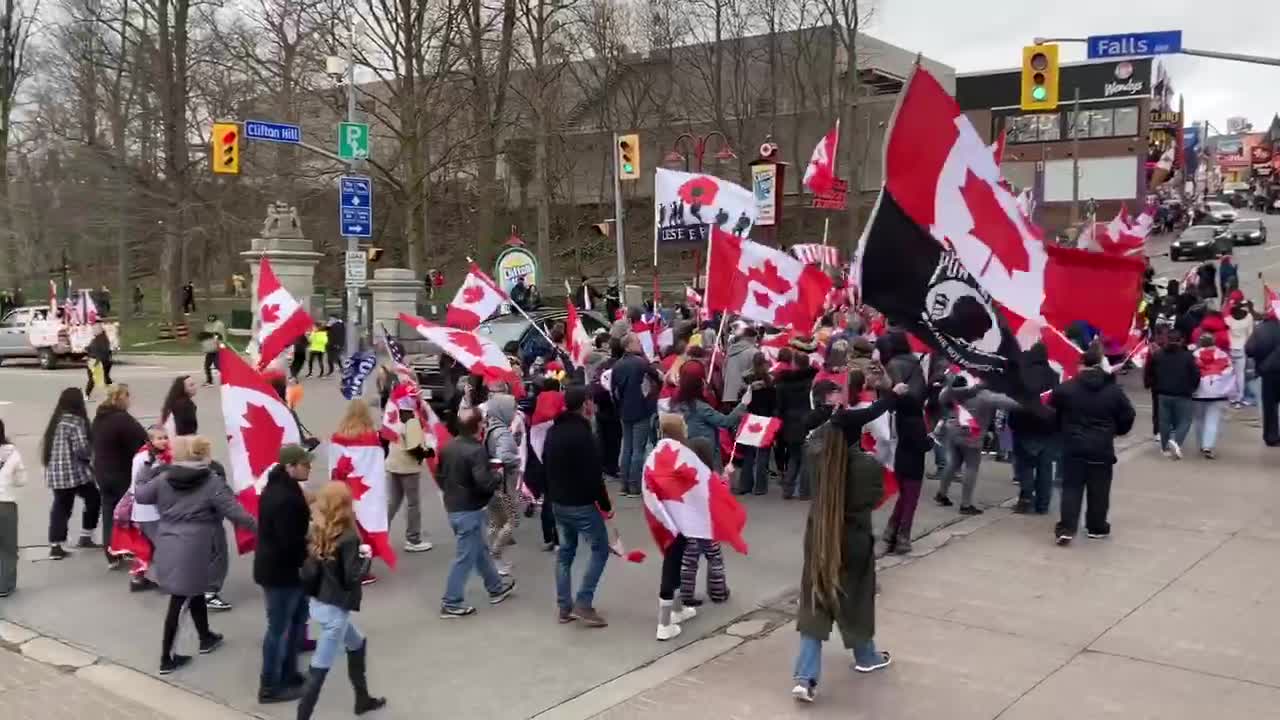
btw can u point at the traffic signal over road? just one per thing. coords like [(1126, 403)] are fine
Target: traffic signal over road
[(629, 157), (1040, 77), (226, 148)]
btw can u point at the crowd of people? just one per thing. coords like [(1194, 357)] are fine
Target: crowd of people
[(552, 448)]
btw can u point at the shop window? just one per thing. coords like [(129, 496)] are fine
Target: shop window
[(1126, 121), (1032, 128), (1104, 123)]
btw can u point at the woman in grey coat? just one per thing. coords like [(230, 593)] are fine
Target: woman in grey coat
[(192, 498)]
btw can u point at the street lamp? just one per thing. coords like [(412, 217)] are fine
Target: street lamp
[(678, 159)]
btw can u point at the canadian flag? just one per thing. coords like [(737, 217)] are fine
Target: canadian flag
[(644, 331), (477, 299), (406, 396), (771, 344), (820, 173), (549, 406), (764, 284), (1217, 380), (878, 441), (1140, 354), (1273, 302), (358, 462), (88, 309), (1064, 355), (576, 337), (281, 319), (258, 424), (478, 355), (757, 431), (682, 496)]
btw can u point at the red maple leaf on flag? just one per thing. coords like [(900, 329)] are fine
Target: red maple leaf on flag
[(262, 438), (667, 480), (768, 276), (393, 417), (472, 294), (467, 342), (993, 227), (755, 428), (344, 472), (270, 314), (763, 299)]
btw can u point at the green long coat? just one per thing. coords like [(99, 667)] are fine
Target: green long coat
[(856, 611)]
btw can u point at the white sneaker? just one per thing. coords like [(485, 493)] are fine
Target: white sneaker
[(1175, 450), (668, 632), (503, 567), (803, 693), (686, 613), (420, 546)]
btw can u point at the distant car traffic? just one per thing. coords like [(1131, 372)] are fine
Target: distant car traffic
[(1218, 213), (1200, 242), (1250, 231)]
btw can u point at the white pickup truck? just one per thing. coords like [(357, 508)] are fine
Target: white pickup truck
[(28, 332)]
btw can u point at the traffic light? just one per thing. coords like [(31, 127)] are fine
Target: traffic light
[(629, 157), (374, 253), (1040, 77), (226, 148)]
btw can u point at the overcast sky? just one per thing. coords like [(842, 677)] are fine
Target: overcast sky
[(989, 34)]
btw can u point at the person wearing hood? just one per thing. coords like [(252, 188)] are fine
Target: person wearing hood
[(1239, 320), (1263, 347), (192, 498), (282, 548), (1036, 445), (792, 390), (972, 408), (1092, 410), (737, 363), (503, 447), (116, 437), (13, 475), (1173, 373), (903, 367)]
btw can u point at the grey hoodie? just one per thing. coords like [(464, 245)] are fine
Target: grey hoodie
[(499, 411), (981, 403), (737, 363)]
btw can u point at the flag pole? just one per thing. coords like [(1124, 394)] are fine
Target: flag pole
[(724, 318), (826, 226)]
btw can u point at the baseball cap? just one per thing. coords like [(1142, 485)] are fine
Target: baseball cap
[(293, 455)]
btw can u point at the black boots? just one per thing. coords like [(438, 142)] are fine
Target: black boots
[(890, 537), (357, 669), (311, 693)]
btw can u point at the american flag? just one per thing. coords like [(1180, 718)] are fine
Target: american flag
[(815, 254), (396, 351)]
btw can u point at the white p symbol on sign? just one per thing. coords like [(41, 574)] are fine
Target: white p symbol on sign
[(355, 134)]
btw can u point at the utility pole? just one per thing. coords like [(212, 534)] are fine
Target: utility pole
[(619, 221), (353, 293), (1075, 158)]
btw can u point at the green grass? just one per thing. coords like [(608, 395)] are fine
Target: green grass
[(139, 334)]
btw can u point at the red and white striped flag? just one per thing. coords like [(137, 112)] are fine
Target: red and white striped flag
[(358, 462), (757, 431), (477, 299), (816, 254)]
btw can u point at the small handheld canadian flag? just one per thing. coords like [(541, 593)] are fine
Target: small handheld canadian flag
[(758, 431), (820, 173)]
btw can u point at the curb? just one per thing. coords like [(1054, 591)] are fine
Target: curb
[(125, 682)]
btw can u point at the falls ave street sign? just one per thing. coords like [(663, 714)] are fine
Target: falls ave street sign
[(1130, 44), (272, 132), (355, 208), (353, 141)]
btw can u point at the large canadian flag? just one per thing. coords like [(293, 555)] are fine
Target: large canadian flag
[(258, 424), (477, 354), (477, 299), (682, 496), (577, 339), (764, 284), (358, 462), (281, 319), (1064, 356), (1217, 381), (820, 173), (757, 430)]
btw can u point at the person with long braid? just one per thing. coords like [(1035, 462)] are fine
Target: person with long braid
[(838, 583)]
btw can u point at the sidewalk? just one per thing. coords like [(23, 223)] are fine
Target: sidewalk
[(1172, 617)]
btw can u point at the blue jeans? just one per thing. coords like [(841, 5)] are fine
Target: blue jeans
[(1208, 414), (286, 625), (472, 553), (1033, 460), (754, 475), (335, 628), (1175, 419), (574, 520), (808, 666), (635, 437), (795, 483)]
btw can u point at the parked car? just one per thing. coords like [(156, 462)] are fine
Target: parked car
[(1200, 242), (501, 330), (1250, 231), (1219, 213), (29, 332)]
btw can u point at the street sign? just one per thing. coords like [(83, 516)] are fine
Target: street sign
[(355, 209), (1130, 44), (272, 132), (357, 268), (353, 141)]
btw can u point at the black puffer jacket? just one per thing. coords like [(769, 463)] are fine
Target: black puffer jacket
[(1092, 410), (117, 437), (1035, 421)]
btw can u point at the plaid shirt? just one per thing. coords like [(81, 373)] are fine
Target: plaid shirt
[(69, 457)]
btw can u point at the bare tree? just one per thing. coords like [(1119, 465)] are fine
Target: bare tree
[(487, 63), (15, 32)]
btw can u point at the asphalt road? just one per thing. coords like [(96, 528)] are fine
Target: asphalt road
[(1251, 259), (509, 661)]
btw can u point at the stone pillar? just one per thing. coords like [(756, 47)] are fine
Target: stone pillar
[(394, 291), (292, 258)]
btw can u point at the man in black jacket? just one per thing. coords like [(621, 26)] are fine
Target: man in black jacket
[(1174, 375), (468, 481), (1035, 435), (1264, 347), (575, 488), (1092, 410), (99, 350), (282, 547)]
